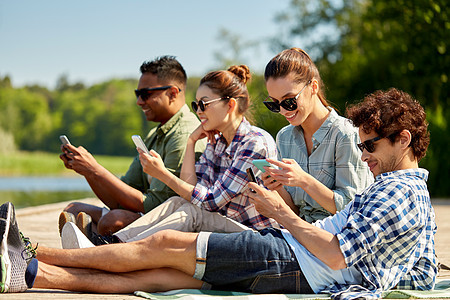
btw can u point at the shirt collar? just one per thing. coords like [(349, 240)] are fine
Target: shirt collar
[(163, 129), (418, 172), (221, 144), (320, 134)]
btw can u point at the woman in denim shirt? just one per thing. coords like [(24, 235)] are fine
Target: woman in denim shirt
[(320, 169)]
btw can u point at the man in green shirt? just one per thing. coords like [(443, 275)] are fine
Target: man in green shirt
[(161, 96)]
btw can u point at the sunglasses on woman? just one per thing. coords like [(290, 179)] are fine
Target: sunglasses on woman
[(146, 92), (369, 145), (289, 104), (202, 104)]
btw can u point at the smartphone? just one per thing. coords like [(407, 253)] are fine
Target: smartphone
[(261, 163), (64, 140), (139, 143), (252, 177)]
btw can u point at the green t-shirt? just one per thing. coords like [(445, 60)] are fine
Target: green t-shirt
[(169, 140)]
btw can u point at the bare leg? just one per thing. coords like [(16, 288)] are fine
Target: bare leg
[(88, 280), (164, 249), (115, 220)]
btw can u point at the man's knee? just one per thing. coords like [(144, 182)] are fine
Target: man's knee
[(115, 220), (74, 208), (171, 239)]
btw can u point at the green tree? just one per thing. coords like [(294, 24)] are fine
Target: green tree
[(26, 115), (378, 45)]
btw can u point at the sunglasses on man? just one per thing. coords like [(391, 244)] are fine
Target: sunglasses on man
[(202, 104), (289, 104), (369, 145), (145, 93)]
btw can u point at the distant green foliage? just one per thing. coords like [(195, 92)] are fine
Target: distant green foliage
[(102, 117), (359, 46), (7, 144), (364, 45)]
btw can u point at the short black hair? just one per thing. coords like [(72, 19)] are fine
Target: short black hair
[(167, 69)]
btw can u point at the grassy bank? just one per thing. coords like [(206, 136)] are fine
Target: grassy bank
[(23, 163)]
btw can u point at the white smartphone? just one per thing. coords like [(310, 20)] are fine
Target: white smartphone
[(139, 143), (64, 140)]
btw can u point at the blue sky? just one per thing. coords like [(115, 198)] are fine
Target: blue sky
[(92, 41)]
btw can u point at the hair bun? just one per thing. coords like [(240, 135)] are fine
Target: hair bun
[(242, 71)]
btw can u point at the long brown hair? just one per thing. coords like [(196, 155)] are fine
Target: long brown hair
[(297, 62)]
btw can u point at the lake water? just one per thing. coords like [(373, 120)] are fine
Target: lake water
[(31, 191)]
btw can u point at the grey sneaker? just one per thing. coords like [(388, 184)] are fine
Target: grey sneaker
[(65, 217), (73, 238), (13, 252)]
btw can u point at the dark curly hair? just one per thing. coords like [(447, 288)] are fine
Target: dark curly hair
[(388, 113)]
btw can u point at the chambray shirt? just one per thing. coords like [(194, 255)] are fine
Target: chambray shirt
[(335, 161), (386, 236), (169, 140), (221, 175)]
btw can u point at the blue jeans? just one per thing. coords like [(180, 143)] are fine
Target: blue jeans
[(248, 261)]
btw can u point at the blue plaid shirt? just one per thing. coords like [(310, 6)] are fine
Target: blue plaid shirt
[(222, 177), (389, 236)]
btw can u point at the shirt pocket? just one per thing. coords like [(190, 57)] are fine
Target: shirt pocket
[(325, 174)]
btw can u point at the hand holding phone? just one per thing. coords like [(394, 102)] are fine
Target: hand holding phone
[(139, 143)]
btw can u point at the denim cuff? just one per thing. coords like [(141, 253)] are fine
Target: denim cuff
[(202, 248)]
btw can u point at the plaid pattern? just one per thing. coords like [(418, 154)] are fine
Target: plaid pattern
[(221, 175), (389, 236)]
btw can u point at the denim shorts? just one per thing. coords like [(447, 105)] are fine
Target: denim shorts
[(249, 261)]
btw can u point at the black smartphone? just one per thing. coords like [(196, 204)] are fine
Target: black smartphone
[(252, 177)]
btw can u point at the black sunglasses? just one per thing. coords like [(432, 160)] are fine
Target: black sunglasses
[(202, 104), (146, 92), (369, 145), (289, 104)]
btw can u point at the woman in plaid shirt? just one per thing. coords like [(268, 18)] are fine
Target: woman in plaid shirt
[(211, 189)]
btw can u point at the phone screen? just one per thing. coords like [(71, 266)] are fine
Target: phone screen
[(251, 175)]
